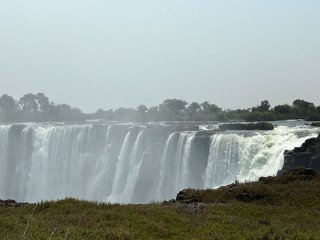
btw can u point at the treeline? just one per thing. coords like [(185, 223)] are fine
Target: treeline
[(300, 109), (38, 108), (180, 110)]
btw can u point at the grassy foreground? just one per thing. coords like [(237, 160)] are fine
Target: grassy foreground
[(285, 207)]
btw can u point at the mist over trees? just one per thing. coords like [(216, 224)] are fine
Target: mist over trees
[(180, 110), (38, 108)]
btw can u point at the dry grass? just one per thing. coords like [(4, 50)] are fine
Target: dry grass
[(275, 208)]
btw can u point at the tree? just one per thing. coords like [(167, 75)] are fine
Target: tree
[(252, 116), (298, 103), (209, 107), (142, 109), (283, 109), (29, 103), (7, 103), (173, 105), (43, 102), (154, 109), (264, 107), (99, 114), (124, 114), (142, 112), (193, 107), (63, 112), (302, 107)]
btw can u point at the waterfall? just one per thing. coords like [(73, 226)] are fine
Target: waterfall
[(165, 167), (248, 157), (135, 161), (223, 160), (132, 163), (101, 171), (4, 132), (118, 183), (182, 160)]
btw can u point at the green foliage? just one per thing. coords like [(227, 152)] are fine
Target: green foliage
[(303, 108), (193, 107), (173, 105), (210, 108), (264, 107), (29, 103), (284, 109), (7, 103), (179, 110), (37, 108)]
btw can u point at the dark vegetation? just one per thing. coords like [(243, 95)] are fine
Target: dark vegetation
[(281, 190), (283, 207), (37, 108), (249, 126)]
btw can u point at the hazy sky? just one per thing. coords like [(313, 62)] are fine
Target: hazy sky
[(111, 53)]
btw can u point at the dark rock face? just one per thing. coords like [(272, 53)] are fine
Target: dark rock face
[(11, 203), (316, 124), (183, 126), (183, 197), (307, 156), (250, 126)]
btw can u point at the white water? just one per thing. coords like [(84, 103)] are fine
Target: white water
[(165, 167), (130, 164), (246, 158), (122, 165), (130, 179), (183, 159)]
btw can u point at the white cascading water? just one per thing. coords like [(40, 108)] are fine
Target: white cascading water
[(246, 158), (101, 171), (4, 131), (128, 163), (135, 161), (122, 166), (123, 193), (222, 160), (183, 159), (165, 167)]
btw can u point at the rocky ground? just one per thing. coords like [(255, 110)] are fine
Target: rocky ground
[(308, 155), (315, 124), (11, 203), (248, 126)]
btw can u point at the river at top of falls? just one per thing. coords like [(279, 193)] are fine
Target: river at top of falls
[(135, 163)]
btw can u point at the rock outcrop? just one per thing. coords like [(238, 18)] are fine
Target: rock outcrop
[(11, 203), (249, 126), (315, 124), (307, 156)]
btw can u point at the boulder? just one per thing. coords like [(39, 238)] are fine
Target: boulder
[(315, 124), (306, 156), (249, 126), (184, 197), (11, 203)]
